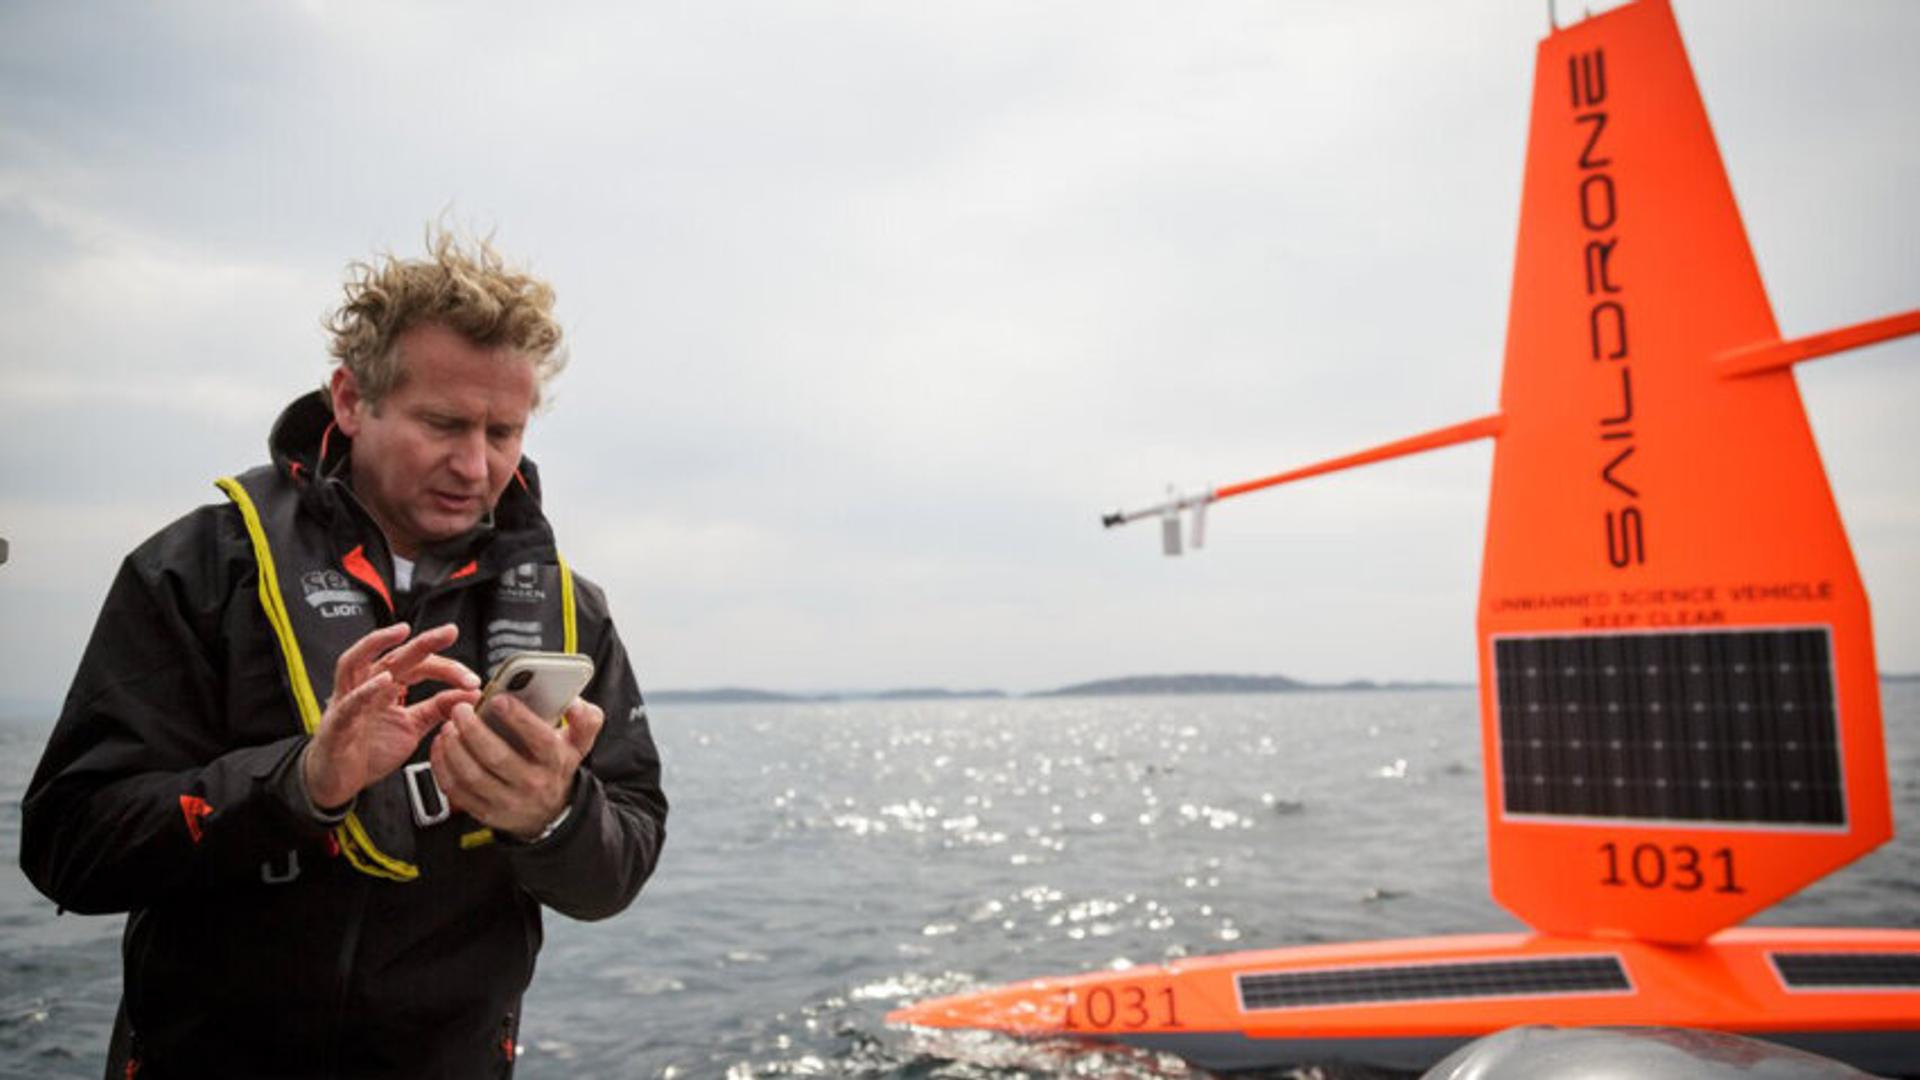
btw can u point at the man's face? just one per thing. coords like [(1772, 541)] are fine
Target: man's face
[(438, 450)]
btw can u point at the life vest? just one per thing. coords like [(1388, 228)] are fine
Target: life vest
[(339, 597)]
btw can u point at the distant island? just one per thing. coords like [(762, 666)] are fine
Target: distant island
[(724, 695), (1116, 687), (932, 693), (1227, 684), (1132, 684), (732, 695), (37, 711)]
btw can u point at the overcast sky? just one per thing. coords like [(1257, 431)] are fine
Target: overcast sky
[(875, 307)]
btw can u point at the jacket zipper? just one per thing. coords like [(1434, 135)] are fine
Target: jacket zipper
[(349, 945)]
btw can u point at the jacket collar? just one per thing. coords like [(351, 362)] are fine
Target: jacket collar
[(315, 456)]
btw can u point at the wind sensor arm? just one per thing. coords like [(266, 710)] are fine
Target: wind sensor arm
[(1778, 355), (1169, 511), (1754, 359)]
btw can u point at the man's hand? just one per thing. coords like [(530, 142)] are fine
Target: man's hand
[(518, 791), (369, 730)]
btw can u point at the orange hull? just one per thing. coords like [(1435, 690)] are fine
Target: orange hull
[(1853, 995)]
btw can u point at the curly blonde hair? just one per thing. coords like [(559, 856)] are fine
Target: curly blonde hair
[(469, 289)]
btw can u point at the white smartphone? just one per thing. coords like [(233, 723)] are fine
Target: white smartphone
[(546, 682)]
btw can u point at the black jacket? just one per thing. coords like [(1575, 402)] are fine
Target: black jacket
[(168, 790)]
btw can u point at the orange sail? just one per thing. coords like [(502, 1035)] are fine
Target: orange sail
[(1680, 704)]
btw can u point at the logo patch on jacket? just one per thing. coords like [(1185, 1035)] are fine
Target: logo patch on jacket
[(521, 585), (333, 594)]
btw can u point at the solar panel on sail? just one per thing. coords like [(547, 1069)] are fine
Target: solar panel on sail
[(1735, 726)]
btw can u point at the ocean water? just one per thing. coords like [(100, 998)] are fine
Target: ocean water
[(827, 862)]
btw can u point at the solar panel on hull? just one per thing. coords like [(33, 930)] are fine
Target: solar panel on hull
[(1428, 982), (1730, 726), (1848, 970)]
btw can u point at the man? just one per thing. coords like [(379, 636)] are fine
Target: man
[(246, 759)]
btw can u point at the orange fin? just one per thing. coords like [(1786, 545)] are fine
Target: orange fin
[(1681, 714)]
